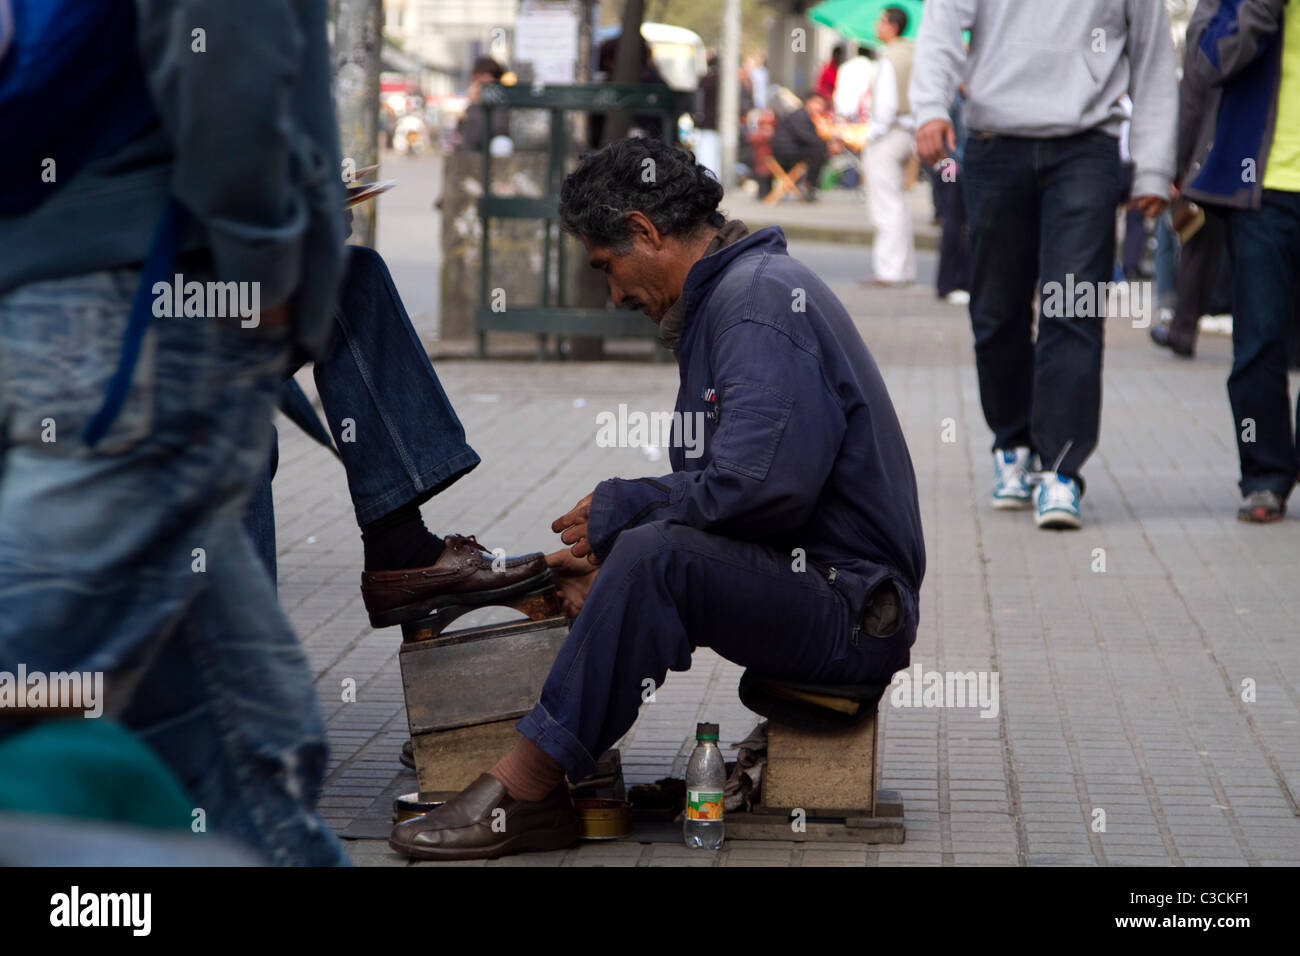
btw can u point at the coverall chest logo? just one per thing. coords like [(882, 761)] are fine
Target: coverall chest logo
[(712, 406)]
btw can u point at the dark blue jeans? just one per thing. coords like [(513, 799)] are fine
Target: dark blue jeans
[(130, 558), (954, 244), (1039, 211), (666, 589), (1264, 246), (392, 423)]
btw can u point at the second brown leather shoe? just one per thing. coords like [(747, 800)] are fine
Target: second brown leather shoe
[(483, 822), (464, 575)]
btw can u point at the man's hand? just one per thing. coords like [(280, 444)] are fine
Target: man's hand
[(935, 140), (572, 529), (1151, 206), (573, 579)]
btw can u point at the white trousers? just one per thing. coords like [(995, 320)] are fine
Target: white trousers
[(708, 151), (893, 255)]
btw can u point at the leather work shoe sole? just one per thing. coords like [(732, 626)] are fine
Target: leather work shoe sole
[(465, 576), (483, 822)]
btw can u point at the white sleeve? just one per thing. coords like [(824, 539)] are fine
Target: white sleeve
[(884, 102), (845, 98)]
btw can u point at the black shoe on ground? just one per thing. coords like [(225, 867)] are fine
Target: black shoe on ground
[(1160, 335)]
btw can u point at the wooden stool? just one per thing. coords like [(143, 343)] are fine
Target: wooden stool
[(827, 773), (465, 689), (783, 182), (821, 766)]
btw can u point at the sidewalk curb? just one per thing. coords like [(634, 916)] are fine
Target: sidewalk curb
[(926, 241)]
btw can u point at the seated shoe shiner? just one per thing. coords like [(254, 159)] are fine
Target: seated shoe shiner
[(792, 545)]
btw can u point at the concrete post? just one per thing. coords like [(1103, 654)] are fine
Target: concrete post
[(729, 90)]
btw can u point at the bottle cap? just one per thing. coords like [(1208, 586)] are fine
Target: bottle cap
[(706, 731)]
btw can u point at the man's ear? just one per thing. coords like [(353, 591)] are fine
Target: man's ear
[(641, 226)]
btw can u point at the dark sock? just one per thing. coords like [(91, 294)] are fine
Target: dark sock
[(399, 540)]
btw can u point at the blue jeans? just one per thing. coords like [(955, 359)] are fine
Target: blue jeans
[(1040, 210), (666, 589), (1264, 246), (394, 427), (954, 243), (130, 558)]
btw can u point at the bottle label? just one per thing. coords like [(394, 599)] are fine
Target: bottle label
[(703, 805)]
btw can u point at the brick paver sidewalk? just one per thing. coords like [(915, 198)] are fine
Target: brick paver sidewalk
[(1123, 691)]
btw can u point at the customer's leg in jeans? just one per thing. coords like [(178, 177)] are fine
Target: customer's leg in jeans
[(1002, 213), (397, 434), (1265, 249), (1082, 185), (666, 589), (392, 423), (107, 556)]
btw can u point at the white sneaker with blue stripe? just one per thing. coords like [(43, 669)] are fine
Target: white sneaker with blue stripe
[(1011, 468), (1056, 503)]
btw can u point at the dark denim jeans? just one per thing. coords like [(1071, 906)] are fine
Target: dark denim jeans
[(1199, 273), (1264, 245), (392, 423), (130, 558), (1166, 262), (1040, 211), (954, 244)]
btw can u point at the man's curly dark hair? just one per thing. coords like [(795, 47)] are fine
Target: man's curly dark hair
[(665, 183)]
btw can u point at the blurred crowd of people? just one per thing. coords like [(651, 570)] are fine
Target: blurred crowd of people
[(1102, 144)]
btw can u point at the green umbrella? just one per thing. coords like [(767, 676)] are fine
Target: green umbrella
[(856, 19)]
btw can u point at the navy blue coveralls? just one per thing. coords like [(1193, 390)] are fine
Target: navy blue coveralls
[(802, 450)]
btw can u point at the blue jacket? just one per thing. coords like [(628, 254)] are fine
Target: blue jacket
[(802, 448), (246, 141), (1228, 100)]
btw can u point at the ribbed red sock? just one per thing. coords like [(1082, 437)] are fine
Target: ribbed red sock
[(528, 772)]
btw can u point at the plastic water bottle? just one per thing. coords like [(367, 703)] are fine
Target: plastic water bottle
[(706, 776)]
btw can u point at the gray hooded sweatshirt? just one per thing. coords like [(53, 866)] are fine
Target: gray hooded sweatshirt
[(1052, 68)]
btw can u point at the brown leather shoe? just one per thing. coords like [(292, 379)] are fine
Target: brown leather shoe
[(463, 577), (467, 828)]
